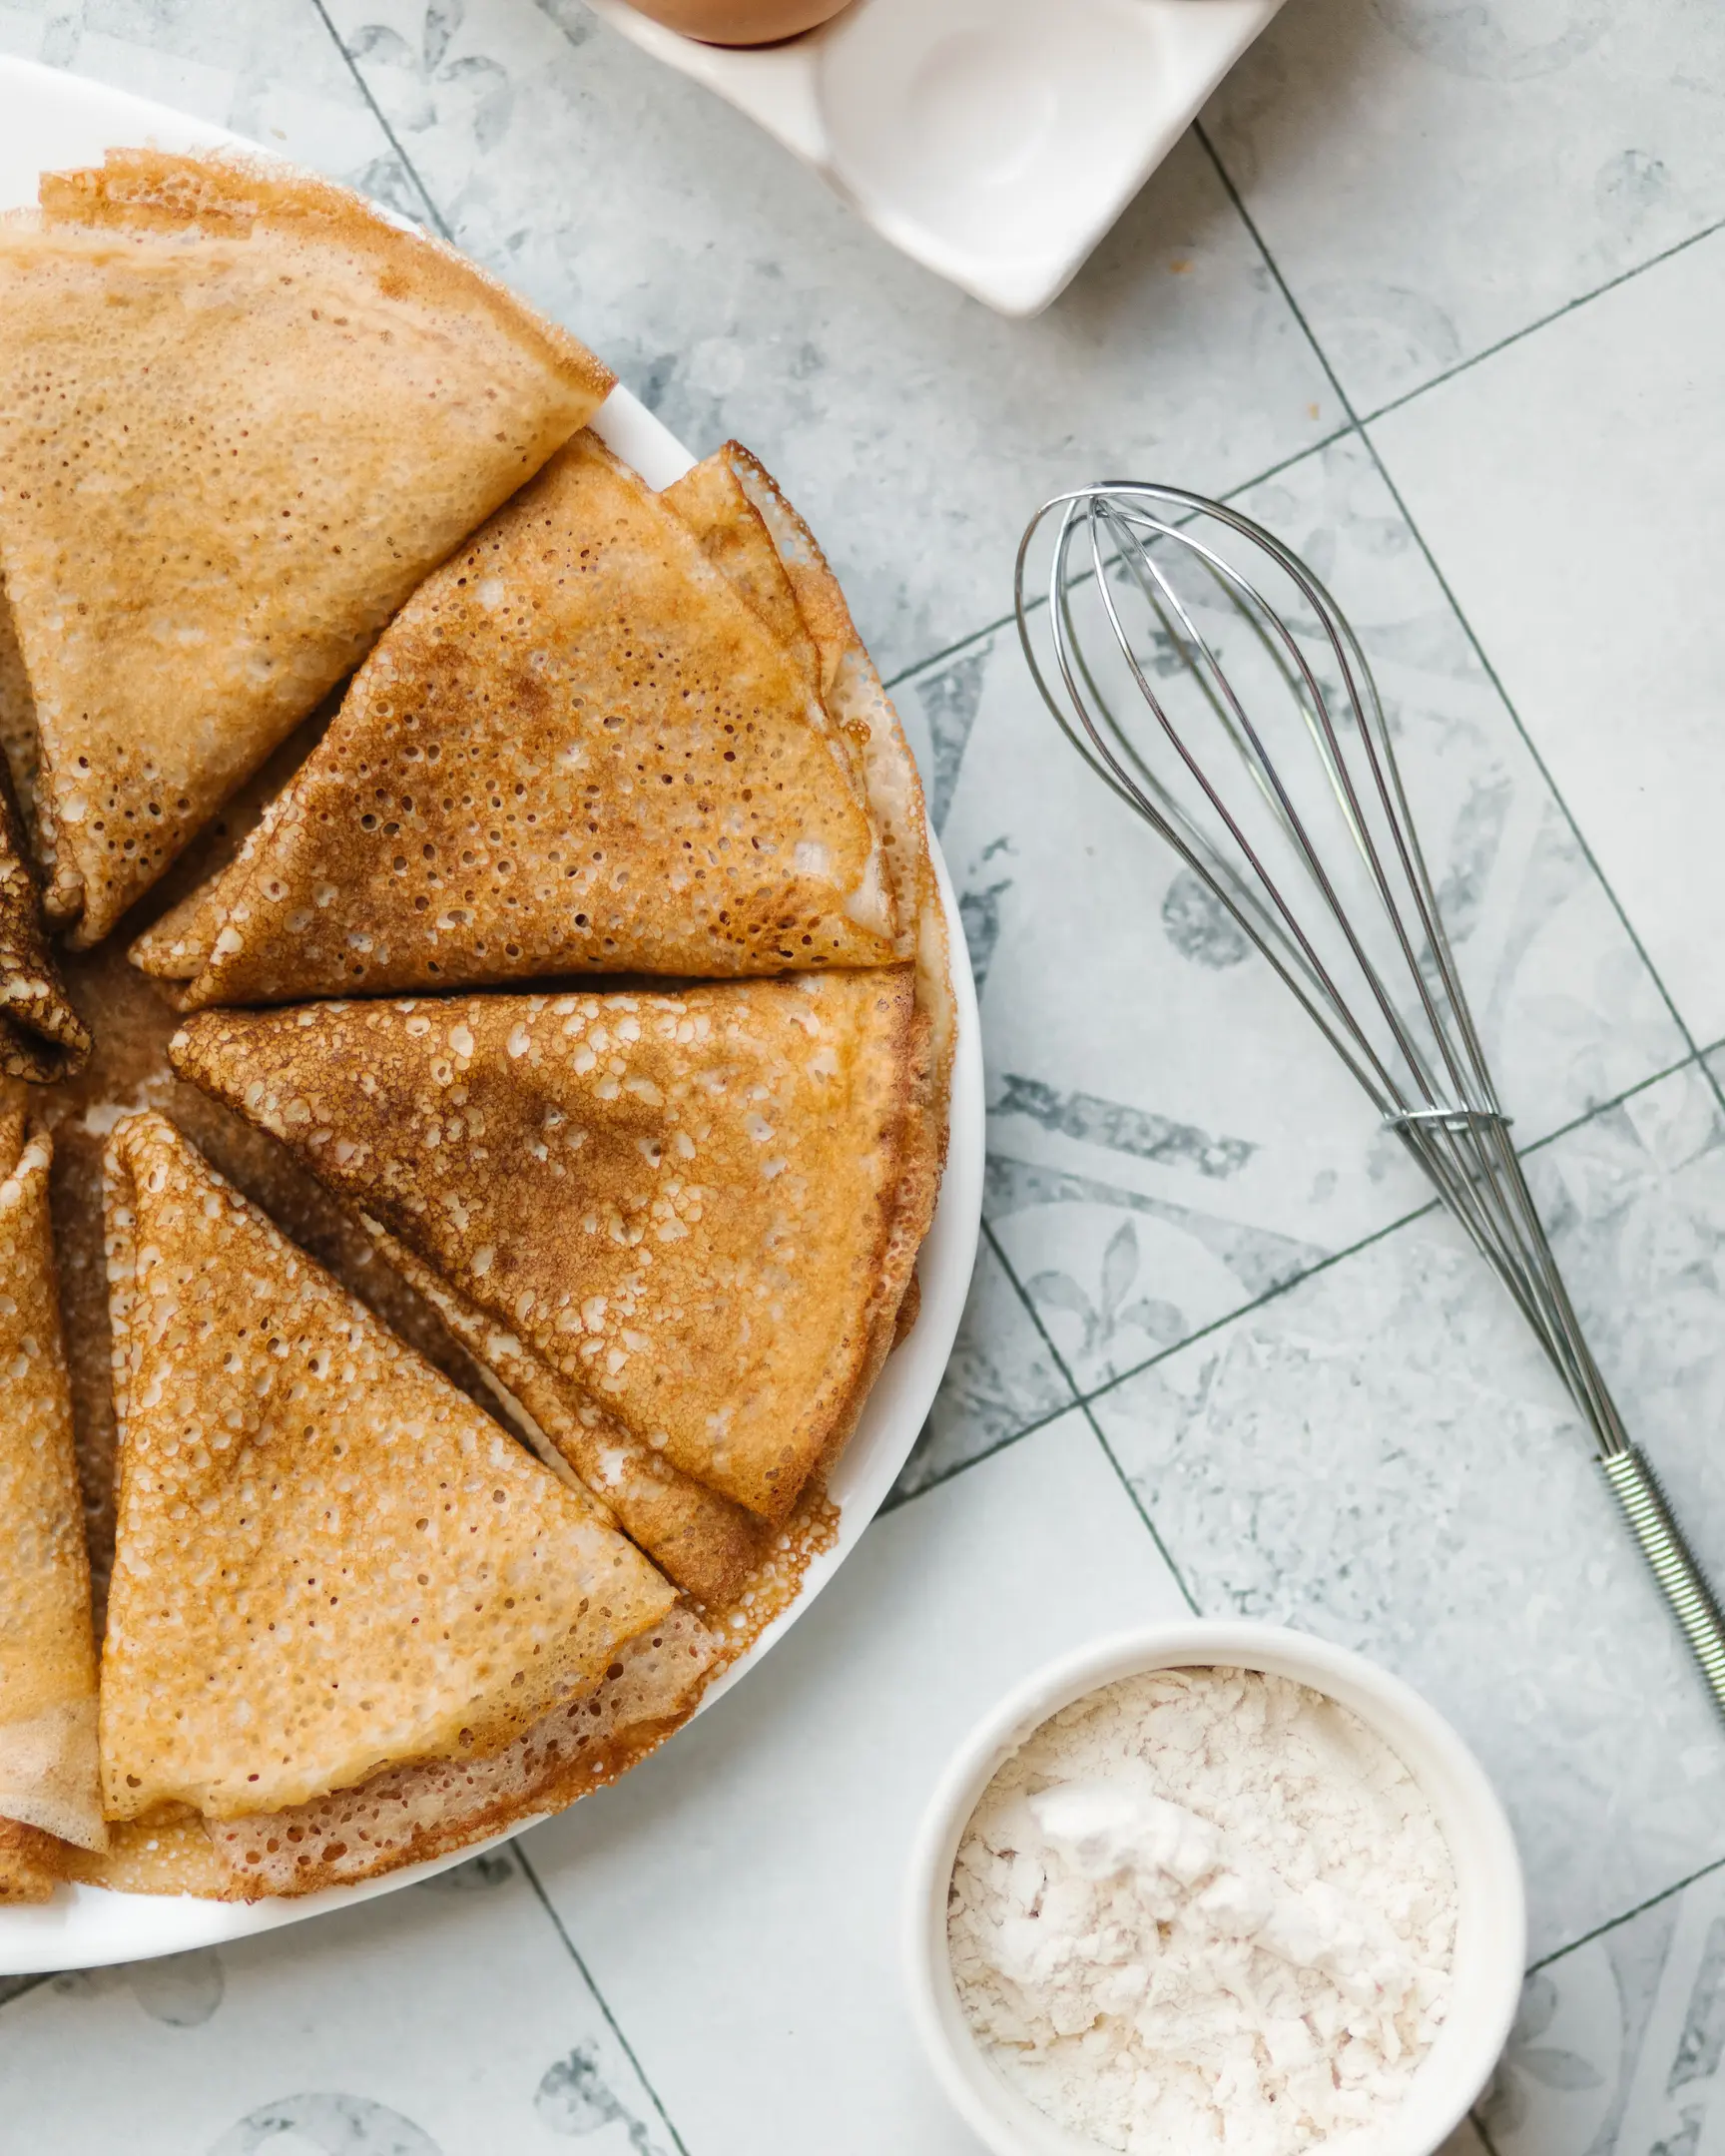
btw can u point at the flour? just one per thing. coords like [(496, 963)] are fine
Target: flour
[(1205, 1908)]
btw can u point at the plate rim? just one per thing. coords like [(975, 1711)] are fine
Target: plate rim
[(85, 1926)]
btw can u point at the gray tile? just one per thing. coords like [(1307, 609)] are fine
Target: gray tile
[(444, 2019), (1431, 177), (1169, 1137), (1571, 487), (739, 1899), (915, 429), (1380, 1455), (1001, 1381), (269, 70), (1618, 2048)]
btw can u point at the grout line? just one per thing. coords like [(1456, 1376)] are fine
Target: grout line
[(1008, 621), (1478, 2125), (545, 1902), (1540, 765), (1641, 1910), (1060, 1363), (391, 135), (1544, 321), (1143, 1513), (1432, 1206), (1444, 586), (898, 1500), (1086, 1400)]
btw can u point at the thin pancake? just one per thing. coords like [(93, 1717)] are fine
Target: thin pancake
[(862, 709), (683, 1203), (577, 749), (48, 1789), (702, 1541), (328, 1560), (42, 1037), (241, 416), (411, 1813)]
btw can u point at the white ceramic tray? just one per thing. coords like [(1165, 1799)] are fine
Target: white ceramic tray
[(51, 119), (993, 141)]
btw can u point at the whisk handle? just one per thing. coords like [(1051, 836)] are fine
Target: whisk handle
[(1637, 1490)]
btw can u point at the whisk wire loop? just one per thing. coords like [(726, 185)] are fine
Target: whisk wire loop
[(1367, 914)]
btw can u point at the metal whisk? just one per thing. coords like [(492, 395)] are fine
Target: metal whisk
[(1206, 675)]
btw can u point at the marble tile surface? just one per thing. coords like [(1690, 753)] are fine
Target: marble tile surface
[(1383, 1457), (1356, 1439), (1617, 2047), (916, 431), (269, 70), (448, 2020), (1573, 488), (1002, 1380), (763, 1996), (1169, 1138), (1540, 148)]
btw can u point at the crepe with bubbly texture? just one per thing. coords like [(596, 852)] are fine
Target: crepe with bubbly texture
[(577, 749), (700, 1207), (42, 1037), (730, 501), (704, 1542), (328, 1561), (241, 414), (48, 1782)]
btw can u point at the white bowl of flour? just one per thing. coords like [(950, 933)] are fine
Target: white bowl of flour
[(1214, 1885)]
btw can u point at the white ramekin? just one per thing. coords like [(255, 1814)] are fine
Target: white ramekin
[(1490, 1935)]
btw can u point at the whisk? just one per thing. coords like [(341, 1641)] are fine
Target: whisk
[(1205, 674)]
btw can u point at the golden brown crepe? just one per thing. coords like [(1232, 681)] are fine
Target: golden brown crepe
[(241, 414), (328, 1561), (19, 749), (704, 1542), (408, 1813), (42, 1037), (733, 533), (577, 749), (700, 1207), (48, 1786)]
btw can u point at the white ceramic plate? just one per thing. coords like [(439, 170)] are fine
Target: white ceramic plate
[(51, 119), (992, 141)]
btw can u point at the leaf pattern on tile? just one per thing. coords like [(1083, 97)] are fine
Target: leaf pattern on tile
[(575, 2098), (1105, 1308), (1002, 1380), (333, 2124), (478, 92), (1104, 1321)]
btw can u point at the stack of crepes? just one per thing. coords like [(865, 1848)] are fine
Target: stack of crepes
[(671, 1216)]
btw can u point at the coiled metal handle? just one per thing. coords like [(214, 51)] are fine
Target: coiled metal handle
[(1637, 1490)]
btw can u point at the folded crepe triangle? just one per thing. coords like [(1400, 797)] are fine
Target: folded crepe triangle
[(241, 414), (47, 1781), (700, 1209), (704, 1542), (329, 1563), (752, 533), (578, 748)]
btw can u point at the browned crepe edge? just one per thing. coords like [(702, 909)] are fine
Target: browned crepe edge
[(229, 193)]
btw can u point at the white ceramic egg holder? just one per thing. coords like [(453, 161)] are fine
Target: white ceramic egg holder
[(993, 141)]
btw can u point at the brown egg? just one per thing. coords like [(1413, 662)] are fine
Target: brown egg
[(739, 22)]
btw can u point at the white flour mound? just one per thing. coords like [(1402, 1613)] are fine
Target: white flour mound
[(1205, 1908)]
